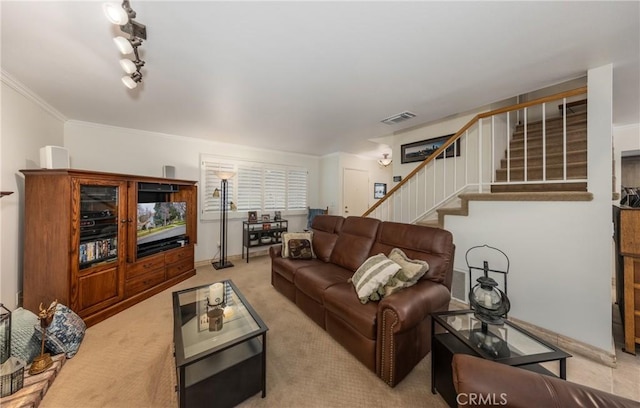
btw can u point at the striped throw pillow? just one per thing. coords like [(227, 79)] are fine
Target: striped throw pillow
[(372, 274)]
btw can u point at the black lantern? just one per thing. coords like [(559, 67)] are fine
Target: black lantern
[(11, 368), (489, 303)]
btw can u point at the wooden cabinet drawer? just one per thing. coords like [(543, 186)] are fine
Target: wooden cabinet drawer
[(177, 255), (143, 282), (179, 268), (145, 265)]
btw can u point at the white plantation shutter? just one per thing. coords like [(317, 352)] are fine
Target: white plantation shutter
[(249, 187), (210, 205), (275, 189), (297, 189), (256, 186)]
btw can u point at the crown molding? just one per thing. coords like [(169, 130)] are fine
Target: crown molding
[(10, 81)]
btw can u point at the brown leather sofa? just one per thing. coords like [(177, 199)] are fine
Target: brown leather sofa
[(485, 383), (390, 336)]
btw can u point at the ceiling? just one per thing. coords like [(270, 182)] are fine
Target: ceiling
[(314, 77)]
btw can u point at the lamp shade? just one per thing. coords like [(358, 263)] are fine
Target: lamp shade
[(224, 175), (385, 161), (129, 82), (124, 45), (115, 13), (128, 66)]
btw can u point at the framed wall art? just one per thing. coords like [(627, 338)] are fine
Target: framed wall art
[(419, 151), (379, 190)]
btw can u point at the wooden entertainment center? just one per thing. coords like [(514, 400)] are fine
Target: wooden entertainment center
[(102, 242)]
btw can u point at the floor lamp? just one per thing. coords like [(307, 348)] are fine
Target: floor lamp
[(224, 203)]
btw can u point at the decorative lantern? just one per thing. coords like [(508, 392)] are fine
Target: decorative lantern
[(11, 368), (5, 334), (489, 303)]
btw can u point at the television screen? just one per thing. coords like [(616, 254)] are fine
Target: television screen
[(161, 221)]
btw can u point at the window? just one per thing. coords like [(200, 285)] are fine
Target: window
[(255, 186)]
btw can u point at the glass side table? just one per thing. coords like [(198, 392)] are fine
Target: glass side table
[(459, 331), (218, 365)]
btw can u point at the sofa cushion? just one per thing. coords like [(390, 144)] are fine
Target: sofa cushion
[(325, 234), (355, 241), (287, 267), (374, 273), (433, 245), (341, 300), (411, 271), (288, 236), (313, 280)]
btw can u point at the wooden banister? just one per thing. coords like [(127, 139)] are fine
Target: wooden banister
[(459, 133)]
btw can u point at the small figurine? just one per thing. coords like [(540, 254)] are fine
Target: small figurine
[(43, 361)]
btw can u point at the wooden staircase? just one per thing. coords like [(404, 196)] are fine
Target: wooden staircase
[(576, 156)]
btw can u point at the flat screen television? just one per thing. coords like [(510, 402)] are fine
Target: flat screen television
[(160, 226)]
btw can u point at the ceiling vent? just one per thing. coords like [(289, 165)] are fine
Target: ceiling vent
[(397, 118)]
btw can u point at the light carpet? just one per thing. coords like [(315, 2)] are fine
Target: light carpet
[(127, 360)]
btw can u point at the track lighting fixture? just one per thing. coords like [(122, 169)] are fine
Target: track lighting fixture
[(124, 17)]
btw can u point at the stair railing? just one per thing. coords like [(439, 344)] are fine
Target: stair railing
[(469, 160)]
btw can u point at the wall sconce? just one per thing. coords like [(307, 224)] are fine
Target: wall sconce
[(124, 17), (385, 161)]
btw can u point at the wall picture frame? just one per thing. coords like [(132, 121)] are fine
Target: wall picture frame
[(419, 151), (379, 190)]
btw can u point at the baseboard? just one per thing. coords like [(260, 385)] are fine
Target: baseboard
[(233, 258), (566, 343)]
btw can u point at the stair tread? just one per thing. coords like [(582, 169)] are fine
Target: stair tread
[(530, 196), (553, 166)]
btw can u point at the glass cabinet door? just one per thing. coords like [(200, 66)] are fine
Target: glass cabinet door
[(99, 207)]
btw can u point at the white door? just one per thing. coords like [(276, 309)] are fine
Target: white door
[(355, 192)]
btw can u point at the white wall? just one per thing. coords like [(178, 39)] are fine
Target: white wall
[(625, 138), (560, 252), (128, 151), (27, 125)]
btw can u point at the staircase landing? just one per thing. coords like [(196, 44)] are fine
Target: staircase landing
[(517, 196)]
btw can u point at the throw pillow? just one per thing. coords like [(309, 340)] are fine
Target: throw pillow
[(287, 236), (65, 333), (412, 270), (372, 274), (24, 343), (300, 249)]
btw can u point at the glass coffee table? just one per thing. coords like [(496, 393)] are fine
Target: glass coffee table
[(221, 364), (459, 331)]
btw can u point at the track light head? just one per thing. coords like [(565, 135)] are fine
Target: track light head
[(115, 13), (131, 66), (132, 80)]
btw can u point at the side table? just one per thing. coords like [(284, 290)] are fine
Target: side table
[(460, 331)]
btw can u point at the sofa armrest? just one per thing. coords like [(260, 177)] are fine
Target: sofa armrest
[(403, 320), (412, 305), (275, 251), (519, 388)]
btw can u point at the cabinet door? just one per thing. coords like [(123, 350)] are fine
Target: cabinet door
[(99, 223)]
